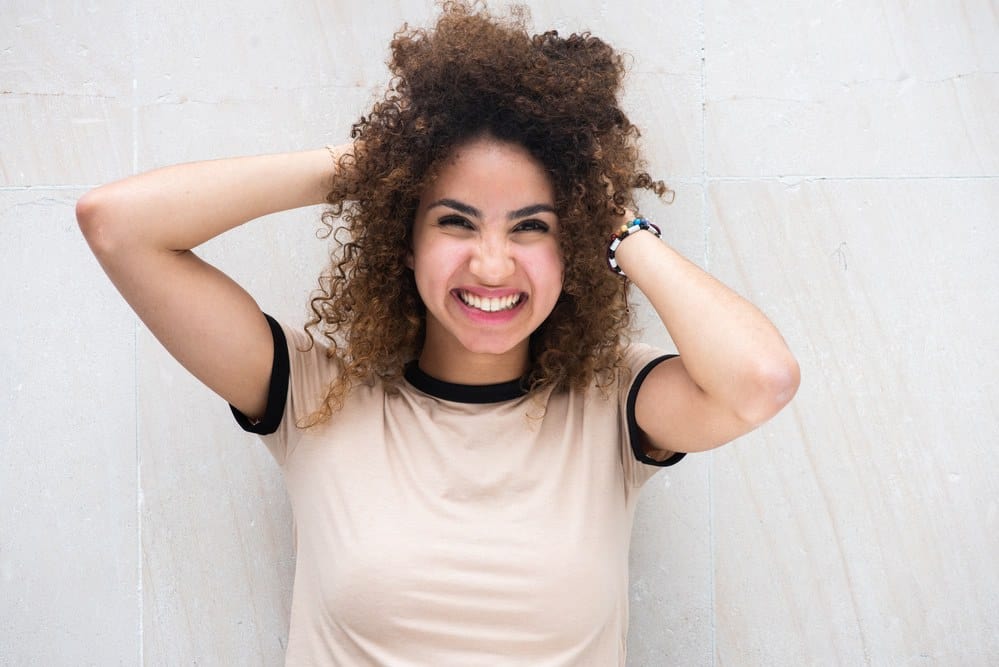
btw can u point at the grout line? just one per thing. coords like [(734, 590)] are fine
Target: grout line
[(706, 225), (135, 363), (26, 188), (794, 179), (138, 492), (135, 121), (703, 179)]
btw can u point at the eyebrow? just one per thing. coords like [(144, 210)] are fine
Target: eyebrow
[(476, 213), (530, 210)]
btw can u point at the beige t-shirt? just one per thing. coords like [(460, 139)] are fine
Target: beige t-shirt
[(446, 525)]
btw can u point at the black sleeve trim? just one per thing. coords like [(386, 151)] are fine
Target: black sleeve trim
[(635, 433), (277, 391)]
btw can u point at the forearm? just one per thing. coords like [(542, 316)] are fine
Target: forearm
[(728, 347), (180, 207)]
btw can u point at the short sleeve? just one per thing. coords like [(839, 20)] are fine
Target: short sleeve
[(639, 467), (301, 373)]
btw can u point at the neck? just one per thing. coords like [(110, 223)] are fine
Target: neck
[(464, 367)]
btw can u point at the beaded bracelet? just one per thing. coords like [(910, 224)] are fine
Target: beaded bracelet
[(627, 229)]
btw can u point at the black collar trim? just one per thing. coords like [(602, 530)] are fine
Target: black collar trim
[(463, 393)]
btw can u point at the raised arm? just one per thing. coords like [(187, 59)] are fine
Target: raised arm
[(734, 371), (142, 230)]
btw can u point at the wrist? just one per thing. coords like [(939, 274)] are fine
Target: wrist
[(339, 162), (617, 241)]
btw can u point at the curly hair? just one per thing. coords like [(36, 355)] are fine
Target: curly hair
[(476, 74)]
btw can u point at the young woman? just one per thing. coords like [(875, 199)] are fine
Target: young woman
[(465, 430)]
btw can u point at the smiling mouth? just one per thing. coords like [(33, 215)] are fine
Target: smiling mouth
[(490, 304)]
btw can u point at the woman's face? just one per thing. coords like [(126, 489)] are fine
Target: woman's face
[(486, 259)]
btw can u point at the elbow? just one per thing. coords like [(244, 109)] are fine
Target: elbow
[(772, 385), (89, 216), (95, 216)]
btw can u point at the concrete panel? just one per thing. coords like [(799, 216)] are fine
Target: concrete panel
[(68, 507), (860, 526), (667, 111), (66, 92), (851, 89), (67, 48), (229, 51), (169, 133), (64, 139), (216, 527), (671, 574)]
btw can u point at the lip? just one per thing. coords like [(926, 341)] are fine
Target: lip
[(488, 292)]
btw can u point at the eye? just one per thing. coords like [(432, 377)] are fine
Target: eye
[(454, 221), (531, 226)]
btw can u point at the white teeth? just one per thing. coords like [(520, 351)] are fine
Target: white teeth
[(489, 305)]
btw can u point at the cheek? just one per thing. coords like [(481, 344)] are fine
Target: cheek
[(547, 269), (433, 264), (556, 263)]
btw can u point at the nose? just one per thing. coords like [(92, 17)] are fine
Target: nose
[(491, 261)]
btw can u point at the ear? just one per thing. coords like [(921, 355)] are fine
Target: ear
[(407, 259)]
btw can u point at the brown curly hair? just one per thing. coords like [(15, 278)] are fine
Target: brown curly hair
[(476, 74)]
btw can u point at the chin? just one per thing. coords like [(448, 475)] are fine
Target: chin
[(497, 347)]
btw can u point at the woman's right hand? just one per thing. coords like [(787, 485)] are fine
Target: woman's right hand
[(142, 230)]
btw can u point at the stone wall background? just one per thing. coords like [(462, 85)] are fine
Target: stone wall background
[(834, 162)]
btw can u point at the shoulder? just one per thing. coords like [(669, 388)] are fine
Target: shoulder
[(304, 348), (307, 364), (637, 360)]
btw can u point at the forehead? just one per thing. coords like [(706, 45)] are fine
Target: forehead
[(487, 171)]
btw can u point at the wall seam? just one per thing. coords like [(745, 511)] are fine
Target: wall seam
[(135, 359), (706, 229), (63, 186), (795, 179), (701, 179)]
